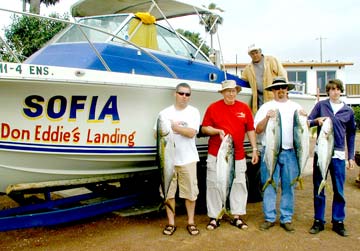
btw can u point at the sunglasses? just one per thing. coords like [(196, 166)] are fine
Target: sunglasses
[(279, 87), (187, 94)]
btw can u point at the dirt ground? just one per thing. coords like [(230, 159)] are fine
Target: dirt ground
[(144, 232)]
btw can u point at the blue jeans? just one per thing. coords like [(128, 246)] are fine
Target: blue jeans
[(286, 171), (337, 173)]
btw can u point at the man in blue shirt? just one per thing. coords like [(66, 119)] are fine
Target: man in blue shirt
[(342, 117)]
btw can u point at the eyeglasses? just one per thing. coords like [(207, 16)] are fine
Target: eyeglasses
[(279, 87), (187, 94)]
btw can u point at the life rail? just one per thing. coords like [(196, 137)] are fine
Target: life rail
[(90, 43)]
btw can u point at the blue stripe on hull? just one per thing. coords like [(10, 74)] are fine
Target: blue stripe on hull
[(82, 149)]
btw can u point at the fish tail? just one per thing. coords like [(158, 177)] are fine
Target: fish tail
[(299, 180), (294, 181), (321, 187), (273, 184), (301, 183), (165, 204), (222, 212), (265, 185)]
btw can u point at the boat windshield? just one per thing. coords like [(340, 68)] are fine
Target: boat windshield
[(159, 38), (109, 24)]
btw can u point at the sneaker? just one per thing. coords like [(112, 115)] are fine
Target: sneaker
[(339, 228), (316, 227), (266, 225), (287, 226)]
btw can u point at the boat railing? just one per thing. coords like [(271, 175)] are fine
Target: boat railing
[(81, 26), (176, 33)]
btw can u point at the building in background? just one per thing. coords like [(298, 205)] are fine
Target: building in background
[(312, 77)]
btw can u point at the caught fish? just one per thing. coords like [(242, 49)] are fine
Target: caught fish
[(225, 168), (325, 149), (273, 147), (165, 146), (301, 144)]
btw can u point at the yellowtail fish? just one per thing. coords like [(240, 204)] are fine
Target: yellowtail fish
[(273, 146), (325, 150), (225, 168), (301, 144), (165, 146)]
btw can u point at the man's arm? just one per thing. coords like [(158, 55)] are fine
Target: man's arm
[(184, 131), (261, 126), (252, 137), (211, 131)]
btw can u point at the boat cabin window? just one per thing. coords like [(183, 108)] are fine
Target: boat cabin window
[(109, 24), (169, 42)]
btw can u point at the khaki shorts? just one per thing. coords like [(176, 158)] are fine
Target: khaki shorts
[(186, 177)]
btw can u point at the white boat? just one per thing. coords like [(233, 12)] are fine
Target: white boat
[(85, 106)]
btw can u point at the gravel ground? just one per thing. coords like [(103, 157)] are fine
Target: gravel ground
[(144, 232)]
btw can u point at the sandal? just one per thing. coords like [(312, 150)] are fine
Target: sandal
[(240, 223), (213, 224), (192, 229), (169, 229)]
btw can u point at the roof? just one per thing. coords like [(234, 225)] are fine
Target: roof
[(170, 8), (297, 64)]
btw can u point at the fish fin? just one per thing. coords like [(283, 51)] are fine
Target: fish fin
[(321, 187)]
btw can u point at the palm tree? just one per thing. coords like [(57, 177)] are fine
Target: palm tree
[(211, 21), (35, 4)]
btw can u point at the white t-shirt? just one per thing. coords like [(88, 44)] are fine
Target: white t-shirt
[(286, 110), (185, 148)]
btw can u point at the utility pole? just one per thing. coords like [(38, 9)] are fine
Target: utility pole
[(321, 39)]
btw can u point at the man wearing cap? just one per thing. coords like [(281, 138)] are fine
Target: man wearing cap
[(228, 116), (260, 74), (286, 167)]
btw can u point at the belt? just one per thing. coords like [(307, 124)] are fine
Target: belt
[(290, 149)]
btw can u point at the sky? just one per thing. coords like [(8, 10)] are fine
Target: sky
[(288, 30)]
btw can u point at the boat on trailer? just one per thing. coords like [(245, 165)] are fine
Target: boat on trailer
[(85, 104), (81, 110)]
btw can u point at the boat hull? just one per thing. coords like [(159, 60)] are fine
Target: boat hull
[(71, 123)]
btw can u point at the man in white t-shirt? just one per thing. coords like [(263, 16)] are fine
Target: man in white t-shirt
[(185, 122)]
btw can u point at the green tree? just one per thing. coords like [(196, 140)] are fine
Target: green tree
[(209, 19), (27, 34), (35, 4), (356, 110), (196, 39)]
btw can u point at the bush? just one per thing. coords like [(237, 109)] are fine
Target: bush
[(27, 34), (356, 110)]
